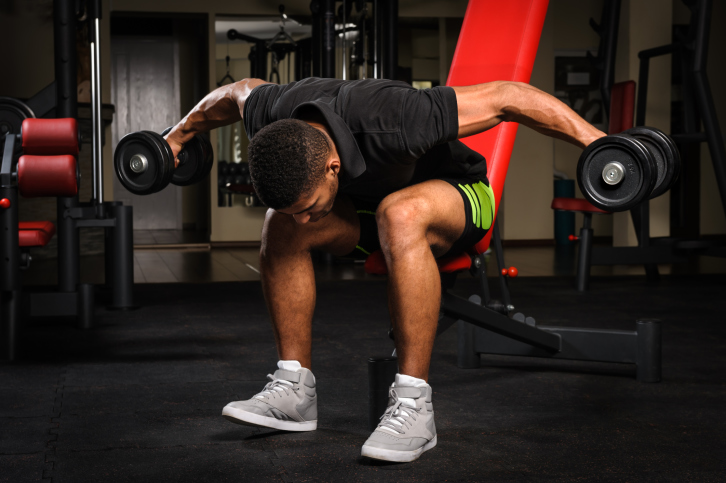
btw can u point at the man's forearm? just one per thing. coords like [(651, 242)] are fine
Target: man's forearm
[(548, 115), (484, 106), (220, 107)]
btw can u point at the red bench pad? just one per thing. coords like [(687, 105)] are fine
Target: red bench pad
[(576, 204), (50, 137), (47, 176), (35, 233), (376, 263)]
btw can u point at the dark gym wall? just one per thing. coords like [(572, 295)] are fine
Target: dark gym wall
[(29, 61), (26, 29), (191, 35), (712, 219)]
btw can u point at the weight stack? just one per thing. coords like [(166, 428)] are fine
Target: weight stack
[(381, 374), (564, 220)]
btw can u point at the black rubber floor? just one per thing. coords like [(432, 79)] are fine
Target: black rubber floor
[(139, 397)]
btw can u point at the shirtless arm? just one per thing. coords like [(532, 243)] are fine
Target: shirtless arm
[(220, 107), (483, 106)]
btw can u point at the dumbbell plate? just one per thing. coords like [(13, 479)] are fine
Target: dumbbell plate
[(12, 114), (639, 179), (159, 166), (665, 153), (208, 155), (195, 161)]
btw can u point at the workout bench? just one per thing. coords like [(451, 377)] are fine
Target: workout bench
[(498, 41), (41, 162)]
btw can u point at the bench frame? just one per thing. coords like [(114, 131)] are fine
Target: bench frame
[(78, 303)]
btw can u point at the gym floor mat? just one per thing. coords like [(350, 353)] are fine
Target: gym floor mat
[(139, 397)]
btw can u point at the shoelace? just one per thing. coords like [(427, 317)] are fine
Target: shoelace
[(274, 387), (396, 417)]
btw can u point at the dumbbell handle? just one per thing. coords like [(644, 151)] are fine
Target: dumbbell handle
[(613, 173), (139, 164)]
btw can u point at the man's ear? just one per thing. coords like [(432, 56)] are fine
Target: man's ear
[(332, 166)]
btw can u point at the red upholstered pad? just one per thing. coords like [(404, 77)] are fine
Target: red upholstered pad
[(47, 176), (376, 264), (50, 136), (498, 42), (35, 233), (576, 204), (622, 106), (454, 264)]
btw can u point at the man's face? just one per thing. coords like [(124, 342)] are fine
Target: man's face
[(315, 205)]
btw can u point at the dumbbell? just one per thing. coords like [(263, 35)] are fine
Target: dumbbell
[(620, 171), (144, 162)]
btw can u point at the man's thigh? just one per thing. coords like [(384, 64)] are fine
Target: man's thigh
[(336, 233), (453, 214)]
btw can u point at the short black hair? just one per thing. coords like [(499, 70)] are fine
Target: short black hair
[(287, 160)]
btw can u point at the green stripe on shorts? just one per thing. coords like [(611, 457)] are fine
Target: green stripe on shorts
[(475, 205), (471, 200), (481, 198)]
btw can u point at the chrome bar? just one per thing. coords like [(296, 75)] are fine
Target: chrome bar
[(98, 126)]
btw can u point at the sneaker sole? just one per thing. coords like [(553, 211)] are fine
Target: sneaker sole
[(395, 455), (238, 416)]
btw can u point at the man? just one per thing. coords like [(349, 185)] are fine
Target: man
[(348, 167)]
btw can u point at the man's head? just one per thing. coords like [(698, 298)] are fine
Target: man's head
[(294, 169)]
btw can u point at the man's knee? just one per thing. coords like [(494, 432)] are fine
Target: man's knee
[(281, 232), (401, 221)]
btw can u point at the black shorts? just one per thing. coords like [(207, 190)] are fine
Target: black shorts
[(478, 204)]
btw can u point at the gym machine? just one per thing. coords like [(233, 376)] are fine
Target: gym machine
[(692, 50), (71, 298), (376, 44)]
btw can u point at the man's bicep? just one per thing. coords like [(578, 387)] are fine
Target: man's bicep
[(480, 107)]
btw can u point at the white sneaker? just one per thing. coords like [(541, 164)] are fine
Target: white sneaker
[(407, 427), (288, 402)]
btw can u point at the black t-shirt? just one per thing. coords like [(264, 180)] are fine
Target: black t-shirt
[(388, 134)]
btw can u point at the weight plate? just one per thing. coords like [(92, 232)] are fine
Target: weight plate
[(184, 173), (190, 160), (12, 114), (191, 164), (159, 165), (208, 155), (664, 152), (637, 183)]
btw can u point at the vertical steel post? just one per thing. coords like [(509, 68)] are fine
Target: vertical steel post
[(261, 59), (328, 37), (376, 39), (85, 303), (64, 36), (391, 39), (466, 355), (611, 19), (503, 285), (94, 17), (704, 97), (316, 37), (9, 321), (9, 269), (345, 43), (584, 254), (108, 249), (648, 361), (123, 257)]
